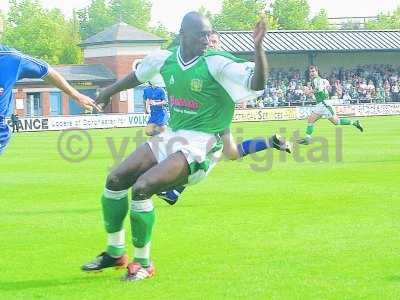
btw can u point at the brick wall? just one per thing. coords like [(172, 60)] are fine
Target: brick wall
[(21, 95), (121, 66), (45, 103), (65, 104)]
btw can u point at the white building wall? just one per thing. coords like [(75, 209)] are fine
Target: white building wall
[(119, 50), (287, 61), (327, 61)]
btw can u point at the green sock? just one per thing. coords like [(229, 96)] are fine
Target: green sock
[(345, 121), (142, 221), (115, 208), (310, 129)]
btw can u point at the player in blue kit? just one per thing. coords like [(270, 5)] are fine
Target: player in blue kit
[(15, 66), (155, 103)]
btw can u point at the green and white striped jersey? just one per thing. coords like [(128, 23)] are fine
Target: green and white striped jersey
[(320, 87), (202, 92)]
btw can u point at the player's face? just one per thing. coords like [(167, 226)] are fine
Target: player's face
[(313, 72), (196, 38), (213, 41)]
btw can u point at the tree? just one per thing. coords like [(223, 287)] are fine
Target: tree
[(240, 15), (386, 21), (291, 14), (133, 12), (320, 21), (161, 31), (203, 10), (350, 25), (41, 33), (1, 24), (94, 18), (100, 14)]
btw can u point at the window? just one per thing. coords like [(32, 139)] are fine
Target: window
[(34, 105), (55, 104)]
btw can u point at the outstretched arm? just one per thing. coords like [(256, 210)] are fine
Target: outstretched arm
[(128, 82), (55, 78), (159, 103), (147, 106), (260, 59)]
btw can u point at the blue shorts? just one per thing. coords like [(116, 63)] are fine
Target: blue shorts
[(5, 135), (160, 118)]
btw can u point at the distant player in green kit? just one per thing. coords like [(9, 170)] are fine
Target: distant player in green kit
[(320, 88), (203, 86)]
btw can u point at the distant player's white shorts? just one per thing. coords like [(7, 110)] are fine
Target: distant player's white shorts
[(202, 150), (324, 109)]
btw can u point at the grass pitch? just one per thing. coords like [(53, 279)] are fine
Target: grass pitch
[(251, 230)]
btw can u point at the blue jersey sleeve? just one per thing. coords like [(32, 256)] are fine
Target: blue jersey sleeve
[(161, 94), (146, 94), (32, 68)]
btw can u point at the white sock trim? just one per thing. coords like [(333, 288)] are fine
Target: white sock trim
[(142, 206), (116, 239), (143, 252), (115, 195)]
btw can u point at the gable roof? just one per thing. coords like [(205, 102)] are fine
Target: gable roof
[(121, 33), (314, 41)]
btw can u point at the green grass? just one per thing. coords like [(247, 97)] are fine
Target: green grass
[(310, 230)]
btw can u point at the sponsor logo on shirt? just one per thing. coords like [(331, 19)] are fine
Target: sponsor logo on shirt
[(171, 80), (190, 104), (196, 85), (1, 91)]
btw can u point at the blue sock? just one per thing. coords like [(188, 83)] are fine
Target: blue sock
[(252, 146)]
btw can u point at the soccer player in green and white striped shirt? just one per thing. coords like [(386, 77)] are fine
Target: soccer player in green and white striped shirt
[(203, 86), (320, 89)]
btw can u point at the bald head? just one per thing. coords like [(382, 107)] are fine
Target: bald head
[(193, 20), (194, 33)]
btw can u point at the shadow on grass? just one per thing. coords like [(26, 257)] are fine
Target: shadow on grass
[(46, 283), (46, 212)]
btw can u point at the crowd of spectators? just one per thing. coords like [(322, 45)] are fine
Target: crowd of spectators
[(362, 84)]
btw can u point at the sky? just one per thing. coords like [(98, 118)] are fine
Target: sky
[(170, 12)]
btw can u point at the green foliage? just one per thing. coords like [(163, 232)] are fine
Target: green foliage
[(203, 10), (350, 25), (2, 23), (238, 14), (94, 18), (386, 21), (133, 12), (42, 33), (292, 14), (320, 21), (161, 31), (100, 14)]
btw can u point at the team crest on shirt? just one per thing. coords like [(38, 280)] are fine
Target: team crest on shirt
[(196, 85), (1, 91)]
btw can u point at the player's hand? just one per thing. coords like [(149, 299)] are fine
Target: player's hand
[(87, 103), (259, 32), (102, 98)]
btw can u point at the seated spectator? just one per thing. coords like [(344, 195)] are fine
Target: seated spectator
[(366, 83)]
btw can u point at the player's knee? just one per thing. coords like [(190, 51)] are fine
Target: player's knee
[(149, 132), (113, 181), (143, 188), (233, 155)]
